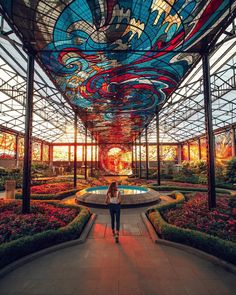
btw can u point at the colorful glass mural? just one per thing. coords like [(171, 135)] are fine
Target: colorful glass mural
[(7, 146), (117, 60), (45, 152), (203, 149), (223, 146), (116, 160), (185, 153), (60, 153), (36, 151), (194, 151), (21, 148), (152, 153), (169, 153), (143, 152)]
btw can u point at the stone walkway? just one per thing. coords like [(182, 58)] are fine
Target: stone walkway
[(134, 266)]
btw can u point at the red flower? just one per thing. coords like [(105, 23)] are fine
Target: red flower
[(194, 214), (43, 216)]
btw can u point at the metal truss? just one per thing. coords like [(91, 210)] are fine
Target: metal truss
[(52, 113), (181, 117)]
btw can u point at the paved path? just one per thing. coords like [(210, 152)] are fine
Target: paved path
[(135, 266)]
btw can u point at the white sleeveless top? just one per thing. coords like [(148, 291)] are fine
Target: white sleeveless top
[(114, 200)]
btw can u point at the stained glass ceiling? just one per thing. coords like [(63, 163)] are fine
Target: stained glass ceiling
[(117, 61)]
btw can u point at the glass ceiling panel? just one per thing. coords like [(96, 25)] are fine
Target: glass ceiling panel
[(117, 61)]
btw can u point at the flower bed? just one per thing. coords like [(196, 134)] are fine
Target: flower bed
[(50, 191), (194, 236), (47, 224), (14, 225), (51, 188), (194, 214)]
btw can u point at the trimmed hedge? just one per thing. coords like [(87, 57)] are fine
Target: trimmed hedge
[(58, 196), (186, 189), (16, 249), (213, 245)]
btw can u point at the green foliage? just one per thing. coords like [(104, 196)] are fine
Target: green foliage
[(185, 189), (213, 245), (232, 202), (231, 171), (164, 176), (10, 174), (16, 249), (58, 196), (179, 198), (196, 172)]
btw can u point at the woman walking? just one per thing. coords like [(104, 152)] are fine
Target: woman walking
[(113, 198)]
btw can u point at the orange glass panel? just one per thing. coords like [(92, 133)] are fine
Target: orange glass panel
[(185, 152), (7, 146), (169, 153), (36, 151), (194, 151), (223, 146)]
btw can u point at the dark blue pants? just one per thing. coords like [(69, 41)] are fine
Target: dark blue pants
[(115, 214)]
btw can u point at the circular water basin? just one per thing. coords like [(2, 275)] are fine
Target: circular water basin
[(124, 189), (131, 196)]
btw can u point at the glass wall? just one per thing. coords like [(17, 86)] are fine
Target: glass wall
[(184, 153), (7, 146), (21, 148), (61, 153), (223, 146), (194, 150), (203, 149), (36, 151), (169, 153), (45, 152)]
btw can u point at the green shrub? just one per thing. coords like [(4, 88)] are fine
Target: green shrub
[(213, 245), (16, 249), (185, 189), (58, 196), (179, 198)]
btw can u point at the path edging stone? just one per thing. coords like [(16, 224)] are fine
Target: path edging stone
[(12, 266), (213, 259)]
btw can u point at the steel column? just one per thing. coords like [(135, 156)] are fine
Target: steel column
[(50, 155), (75, 148), (188, 144), (41, 153), (233, 142), (91, 165), (199, 149), (146, 145), (179, 153), (140, 157), (17, 151), (158, 150), (85, 153), (83, 158), (96, 155), (136, 158), (209, 132), (69, 154), (28, 135), (132, 157)]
